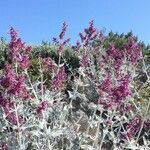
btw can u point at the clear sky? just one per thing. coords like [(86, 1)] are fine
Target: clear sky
[(38, 20)]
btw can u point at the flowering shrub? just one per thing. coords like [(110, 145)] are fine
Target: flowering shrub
[(100, 110)]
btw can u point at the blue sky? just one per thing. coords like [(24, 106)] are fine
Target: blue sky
[(38, 20)]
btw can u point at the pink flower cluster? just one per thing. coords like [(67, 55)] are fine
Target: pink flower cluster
[(8, 106), (111, 80), (121, 91), (133, 50), (59, 79), (114, 95), (61, 42), (114, 87), (116, 56), (90, 34), (14, 84), (133, 127), (18, 53)]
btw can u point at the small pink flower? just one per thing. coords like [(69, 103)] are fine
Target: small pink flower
[(24, 62), (82, 37), (48, 64), (133, 50), (66, 41), (41, 107), (108, 122), (20, 88), (116, 55), (85, 60), (106, 84), (3, 146), (9, 78), (64, 28), (59, 79), (133, 127), (105, 102), (28, 49)]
